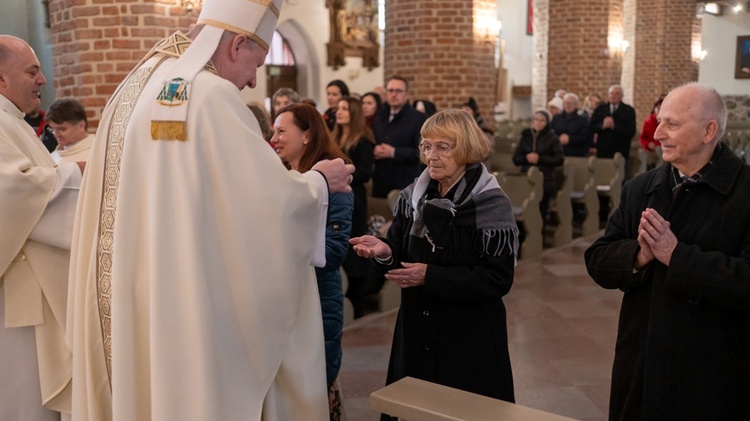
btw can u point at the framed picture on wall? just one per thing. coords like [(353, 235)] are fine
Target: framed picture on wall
[(354, 32), (742, 64), (530, 18)]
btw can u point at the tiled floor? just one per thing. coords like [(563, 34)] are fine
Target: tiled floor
[(562, 329)]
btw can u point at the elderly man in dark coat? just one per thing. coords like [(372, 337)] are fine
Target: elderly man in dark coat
[(614, 124), (679, 248)]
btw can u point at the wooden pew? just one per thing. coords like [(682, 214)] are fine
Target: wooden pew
[(584, 191), (503, 162), (377, 205), (563, 208), (417, 400), (525, 191), (348, 308), (608, 175)]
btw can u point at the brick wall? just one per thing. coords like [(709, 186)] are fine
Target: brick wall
[(576, 56), (662, 57), (95, 43), (573, 50), (440, 46)]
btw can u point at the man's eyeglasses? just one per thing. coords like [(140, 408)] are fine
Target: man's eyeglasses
[(442, 149), (395, 91)]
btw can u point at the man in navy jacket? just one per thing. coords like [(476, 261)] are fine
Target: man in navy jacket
[(397, 135)]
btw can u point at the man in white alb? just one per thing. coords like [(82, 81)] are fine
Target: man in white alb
[(193, 296), (68, 122), (37, 204)]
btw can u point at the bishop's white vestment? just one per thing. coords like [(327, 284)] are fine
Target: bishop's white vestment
[(37, 205), (193, 294)]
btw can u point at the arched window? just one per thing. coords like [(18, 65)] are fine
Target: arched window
[(281, 69), (279, 52)]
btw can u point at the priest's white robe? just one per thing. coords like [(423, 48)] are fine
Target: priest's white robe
[(191, 264), (37, 204)]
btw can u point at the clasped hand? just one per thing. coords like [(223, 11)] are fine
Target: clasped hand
[(656, 239), (608, 123)]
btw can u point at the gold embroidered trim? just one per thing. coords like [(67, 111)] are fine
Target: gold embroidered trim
[(258, 40), (269, 4), (173, 46), (169, 130), (131, 91)]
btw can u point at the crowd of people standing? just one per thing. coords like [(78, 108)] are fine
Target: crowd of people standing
[(165, 273)]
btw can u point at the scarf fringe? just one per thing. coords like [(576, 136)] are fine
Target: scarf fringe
[(403, 207), (495, 241)]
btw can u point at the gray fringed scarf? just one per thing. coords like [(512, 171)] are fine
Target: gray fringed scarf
[(479, 204)]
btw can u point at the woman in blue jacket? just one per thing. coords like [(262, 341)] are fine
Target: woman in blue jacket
[(301, 140)]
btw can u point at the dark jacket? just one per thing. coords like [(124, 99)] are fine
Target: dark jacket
[(329, 116), (576, 126), (452, 329), (547, 145), (683, 339), (338, 226), (403, 134), (614, 140), (362, 158)]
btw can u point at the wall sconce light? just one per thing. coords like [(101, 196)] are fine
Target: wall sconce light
[(697, 53), (190, 5), (616, 46), (491, 28), (713, 9)]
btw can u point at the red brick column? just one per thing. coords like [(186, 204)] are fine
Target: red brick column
[(576, 47), (661, 60), (442, 47), (571, 47), (95, 43)]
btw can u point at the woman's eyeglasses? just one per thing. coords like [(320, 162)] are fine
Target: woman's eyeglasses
[(442, 149)]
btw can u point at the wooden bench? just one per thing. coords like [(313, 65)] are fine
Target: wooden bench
[(525, 191), (584, 191), (563, 207), (503, 162), (608, 175), (377, 205), (417, 400), (348, 307)]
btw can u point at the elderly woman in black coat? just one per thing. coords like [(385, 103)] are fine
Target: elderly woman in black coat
[(451, 249), (540, 146)]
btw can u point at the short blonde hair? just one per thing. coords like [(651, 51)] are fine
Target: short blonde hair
[(459, 126)]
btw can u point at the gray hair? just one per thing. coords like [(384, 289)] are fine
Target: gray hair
[(287, 92), (613, 87), (571, 95)]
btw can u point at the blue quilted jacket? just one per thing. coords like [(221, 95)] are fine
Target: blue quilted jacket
[(338, 227)]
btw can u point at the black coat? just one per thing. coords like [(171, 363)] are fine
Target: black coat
[(576, 126), (452, 330), (614, 140), (547, 145), (362, 158), (683, 342), (403, 134)]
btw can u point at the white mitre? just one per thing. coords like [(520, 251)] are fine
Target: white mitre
[(256, 19)]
